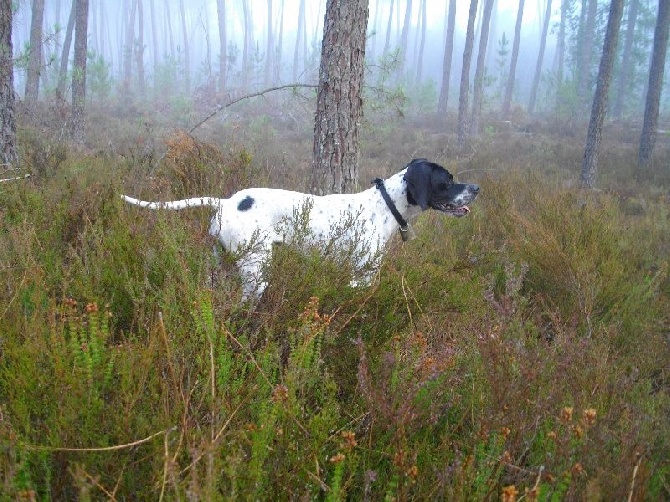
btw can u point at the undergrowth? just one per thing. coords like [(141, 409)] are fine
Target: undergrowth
[(519, 352)]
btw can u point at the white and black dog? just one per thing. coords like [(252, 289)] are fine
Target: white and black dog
[(252, 220)]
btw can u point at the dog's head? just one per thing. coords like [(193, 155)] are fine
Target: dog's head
[(431, 185)]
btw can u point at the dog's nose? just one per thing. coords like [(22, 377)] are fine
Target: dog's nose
[(474, 189)]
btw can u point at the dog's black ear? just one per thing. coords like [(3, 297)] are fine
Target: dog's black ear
[(418, 177)]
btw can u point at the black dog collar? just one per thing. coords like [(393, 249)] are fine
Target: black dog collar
[(404, 227)]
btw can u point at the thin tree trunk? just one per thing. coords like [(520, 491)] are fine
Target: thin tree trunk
[(478, 91), (540, 59), (650, 124), (139, 47), (339, 106), (404, 35), (154, 38), (187, 51), (168, 19), (446, 65), (560, 48), (128, 47), (79, 71), (463, 99), (375, 35), (223, 47), (389, 28), (65, 56), (595, 131), (269, 51), (626, 69), (35, 55), (8, 153), (298, 39), (511, 77), (422, 45), (279, 49), (586, 48)]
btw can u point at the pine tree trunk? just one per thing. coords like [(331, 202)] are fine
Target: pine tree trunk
[(187, 51), (223, 48), (595, 131), (299, 37), (404, 35), (35, 54), (511, 77), (650, 124), (8, 153), (422, 45), (478, 91), (139, 48), (389, 28), (65, 55), (79, 71), (443, 100), (540, 59), (464, 96), (339, 106), (626, 69)]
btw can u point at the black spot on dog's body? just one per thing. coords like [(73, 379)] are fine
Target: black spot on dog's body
[(246, 203)]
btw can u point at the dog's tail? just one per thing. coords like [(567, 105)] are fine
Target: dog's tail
[(176, 204)]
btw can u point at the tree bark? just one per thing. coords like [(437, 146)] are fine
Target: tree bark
[(626, 69), (650, 124), (511, 77), (65, 55), (79, 71), (8, 152), (540, 59), (35, 55), (223, 47), (443, 100), (463, 99), (339, 106), (595, 131), (478, 91)]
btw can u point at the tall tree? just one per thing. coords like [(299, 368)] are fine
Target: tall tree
[(223, 47), (478, 91), (404, 37), (419, 64), (65, 55), (280, 41), (389, 28), (35, 55), (187, 50), (339, 103), (8, 152), (560, 49), (626, 69), (595, 131), (540, 59), (79, 71), (129, 19), (446, 64), (269, 51), (139, 47), (464, 96), (300, 35), (585, 44), (649, 126), (511, 76)]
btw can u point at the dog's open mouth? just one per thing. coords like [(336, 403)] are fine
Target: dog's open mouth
[(457, 211)]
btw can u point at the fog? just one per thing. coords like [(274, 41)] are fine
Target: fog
[(181, 47)]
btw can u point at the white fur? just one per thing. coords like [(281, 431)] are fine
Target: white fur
[(270, 220)]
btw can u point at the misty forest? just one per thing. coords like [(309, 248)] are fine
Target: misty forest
[(520, 352)]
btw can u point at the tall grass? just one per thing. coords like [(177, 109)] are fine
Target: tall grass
[(521, 351)]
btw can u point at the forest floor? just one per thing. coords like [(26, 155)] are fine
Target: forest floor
[(522, 351)]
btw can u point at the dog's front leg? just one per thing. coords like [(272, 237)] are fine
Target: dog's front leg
[(251, 271)]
